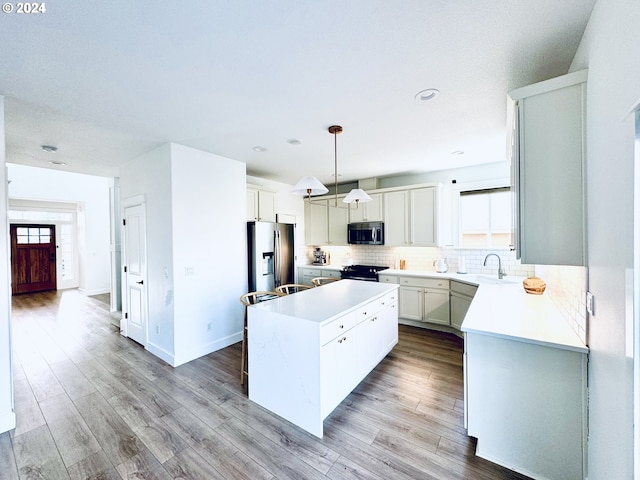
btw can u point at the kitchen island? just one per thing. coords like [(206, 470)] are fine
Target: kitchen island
[(309, 350)]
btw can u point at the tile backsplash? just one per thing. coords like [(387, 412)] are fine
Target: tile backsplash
[(567, 288), (423, 258)]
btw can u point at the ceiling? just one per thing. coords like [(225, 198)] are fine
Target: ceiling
[(107, 81)]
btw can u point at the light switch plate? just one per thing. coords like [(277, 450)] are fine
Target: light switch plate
[(591, 303)]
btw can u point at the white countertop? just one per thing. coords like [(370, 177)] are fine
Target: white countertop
[(325, 303), (502, 308), (326, 266)]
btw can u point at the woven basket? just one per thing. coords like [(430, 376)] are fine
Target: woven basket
[(534, 285)]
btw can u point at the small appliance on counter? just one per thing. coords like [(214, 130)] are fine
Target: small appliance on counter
[(319, 257), (441, 265)]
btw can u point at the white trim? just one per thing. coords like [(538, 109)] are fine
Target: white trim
[(636, 296), (552, 84), (132, 202), (206, 349), (7, 422), (96, 291), (455, 190)]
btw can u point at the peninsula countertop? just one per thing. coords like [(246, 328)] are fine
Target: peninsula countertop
[(503, 309)]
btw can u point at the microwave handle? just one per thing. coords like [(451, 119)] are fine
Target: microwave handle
[(373, 234)]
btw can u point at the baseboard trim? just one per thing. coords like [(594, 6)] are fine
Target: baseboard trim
[(7, 422)]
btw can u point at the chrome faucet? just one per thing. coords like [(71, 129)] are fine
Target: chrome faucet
[(501, 272)]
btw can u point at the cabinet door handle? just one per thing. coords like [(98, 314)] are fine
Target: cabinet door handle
[(364, 313), (343, 339), (341, 326), (374, 319)]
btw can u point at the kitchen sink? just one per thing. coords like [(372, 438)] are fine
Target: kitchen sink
[(494, 280)]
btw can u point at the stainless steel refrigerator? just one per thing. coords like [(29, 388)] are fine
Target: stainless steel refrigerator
[(271, 255)]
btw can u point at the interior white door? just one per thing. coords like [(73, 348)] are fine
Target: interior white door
[(135, 273)]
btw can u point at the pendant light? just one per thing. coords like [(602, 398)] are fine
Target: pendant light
[(308, 186)]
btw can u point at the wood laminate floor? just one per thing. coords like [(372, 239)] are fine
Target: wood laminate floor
[(93, 404)]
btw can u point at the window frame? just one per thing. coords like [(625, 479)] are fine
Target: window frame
[(457, 189)]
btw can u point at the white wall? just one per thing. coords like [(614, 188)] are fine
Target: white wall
[(209, 207), (609, 50), (150, 175), (93, 192), (7, 414), (196, 248)]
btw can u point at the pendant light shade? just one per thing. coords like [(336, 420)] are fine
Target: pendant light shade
[(309, 186), (357, 195)]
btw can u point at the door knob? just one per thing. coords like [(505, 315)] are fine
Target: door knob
[(141, 282)]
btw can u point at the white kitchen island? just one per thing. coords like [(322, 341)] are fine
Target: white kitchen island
[(309, 350)]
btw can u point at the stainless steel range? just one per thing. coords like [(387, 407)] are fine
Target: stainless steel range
[(362, 272)]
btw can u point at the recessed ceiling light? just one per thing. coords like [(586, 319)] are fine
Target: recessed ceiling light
[(457, 152), (57, 162), (259, 148), (294, 141), (49, 148), (428, 94)]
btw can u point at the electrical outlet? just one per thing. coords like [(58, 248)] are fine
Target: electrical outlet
[(591, 304), (157, 329)]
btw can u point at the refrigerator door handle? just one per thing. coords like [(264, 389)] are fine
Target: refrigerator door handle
[(276, 260)]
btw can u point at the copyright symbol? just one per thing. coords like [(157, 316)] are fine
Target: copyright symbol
[(7, 7)]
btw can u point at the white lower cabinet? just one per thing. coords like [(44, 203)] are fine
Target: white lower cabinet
[(424, 300), (364, 338), (526, 404), (461, 296), (306, 274)]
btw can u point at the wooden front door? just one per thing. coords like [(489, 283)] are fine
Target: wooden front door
[(33, 258)]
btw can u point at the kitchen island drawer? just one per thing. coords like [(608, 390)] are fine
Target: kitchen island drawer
[(340, 326)]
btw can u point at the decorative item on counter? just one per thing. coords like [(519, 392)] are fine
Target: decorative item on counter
[(534, 285), (441, 265), (403, 264), (462, 266)]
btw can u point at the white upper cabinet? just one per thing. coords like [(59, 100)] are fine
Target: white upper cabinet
[(410, 217), (548, 170), (369, 211), (260, 205), (324, 223), (316, 226)]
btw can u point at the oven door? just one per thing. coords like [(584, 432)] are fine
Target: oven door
[(355, 276)]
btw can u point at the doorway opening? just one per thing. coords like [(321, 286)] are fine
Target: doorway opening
[(59, 224)]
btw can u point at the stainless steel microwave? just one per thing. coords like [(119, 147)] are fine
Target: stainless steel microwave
[(366, 233)]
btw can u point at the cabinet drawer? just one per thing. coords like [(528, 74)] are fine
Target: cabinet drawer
[(425, 282), (331, 273), (311, 272), (339, 326), (463, 288), (388, 278)]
